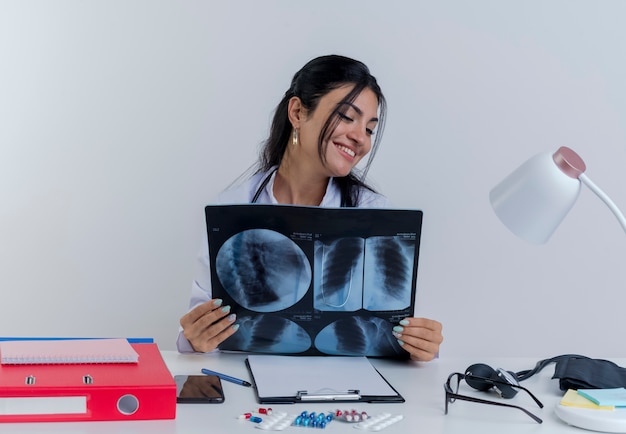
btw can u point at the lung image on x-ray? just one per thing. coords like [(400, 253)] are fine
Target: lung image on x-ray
[(358, 336), (268, 334), (263, 270), (314, 281), (388, 273), (338, 275)]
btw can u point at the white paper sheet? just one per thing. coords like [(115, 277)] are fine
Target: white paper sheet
[(285, 376)]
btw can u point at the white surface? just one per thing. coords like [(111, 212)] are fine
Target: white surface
[(593, 420), (120, 120), (421, 385)]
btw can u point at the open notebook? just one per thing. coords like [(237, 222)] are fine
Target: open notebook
[(314, 281), (17, 352)]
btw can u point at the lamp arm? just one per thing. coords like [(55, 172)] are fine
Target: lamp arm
[(605, 198)]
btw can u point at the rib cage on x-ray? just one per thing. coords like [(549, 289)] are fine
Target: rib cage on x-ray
[(263, 270), (388, 273), (358, 336), (339, 274), (268, 334), (354, 273)]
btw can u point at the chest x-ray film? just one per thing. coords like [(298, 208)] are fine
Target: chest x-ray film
[(314, 281)]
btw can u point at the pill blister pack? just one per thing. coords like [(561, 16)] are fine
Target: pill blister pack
[(277, 421), (313, 420), (379, 422), (352, 416)]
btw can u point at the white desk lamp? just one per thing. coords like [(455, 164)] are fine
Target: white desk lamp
[(533, 200)]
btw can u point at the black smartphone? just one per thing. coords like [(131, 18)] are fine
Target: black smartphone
[(199, 389)]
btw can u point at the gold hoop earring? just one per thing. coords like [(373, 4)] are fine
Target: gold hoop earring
[(294, 138)]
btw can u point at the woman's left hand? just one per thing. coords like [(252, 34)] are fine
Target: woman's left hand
[(420, 337)]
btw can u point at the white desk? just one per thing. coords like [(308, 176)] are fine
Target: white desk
[(421, 384)]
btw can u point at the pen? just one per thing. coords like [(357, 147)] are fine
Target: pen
[(226, 377)]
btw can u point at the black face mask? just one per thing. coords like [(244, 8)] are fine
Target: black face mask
[(580, 372)]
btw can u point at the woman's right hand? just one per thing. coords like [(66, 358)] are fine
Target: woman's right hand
[(208, 325)]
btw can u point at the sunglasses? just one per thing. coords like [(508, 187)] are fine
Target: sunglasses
[(451, 388)]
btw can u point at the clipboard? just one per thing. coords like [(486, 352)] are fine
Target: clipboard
[(318, 379)]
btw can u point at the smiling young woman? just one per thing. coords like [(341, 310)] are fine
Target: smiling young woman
[(330, 119), (307, 165)]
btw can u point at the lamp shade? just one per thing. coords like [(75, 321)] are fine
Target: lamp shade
[(533, 200)]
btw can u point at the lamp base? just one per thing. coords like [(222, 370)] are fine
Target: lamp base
[(611, 421)]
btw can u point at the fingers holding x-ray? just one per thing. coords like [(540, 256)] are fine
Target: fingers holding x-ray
[(338, 278), (263, 270), (268, 334), (358, 336), (388, 273)]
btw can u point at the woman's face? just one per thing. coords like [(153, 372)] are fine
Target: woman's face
[(350, 141)]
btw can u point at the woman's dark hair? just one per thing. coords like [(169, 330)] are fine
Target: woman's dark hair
[(318, 77)]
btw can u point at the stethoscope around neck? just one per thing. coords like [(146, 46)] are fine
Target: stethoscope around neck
[(259, 190)]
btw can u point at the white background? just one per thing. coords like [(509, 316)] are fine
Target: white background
[(120, 120)]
